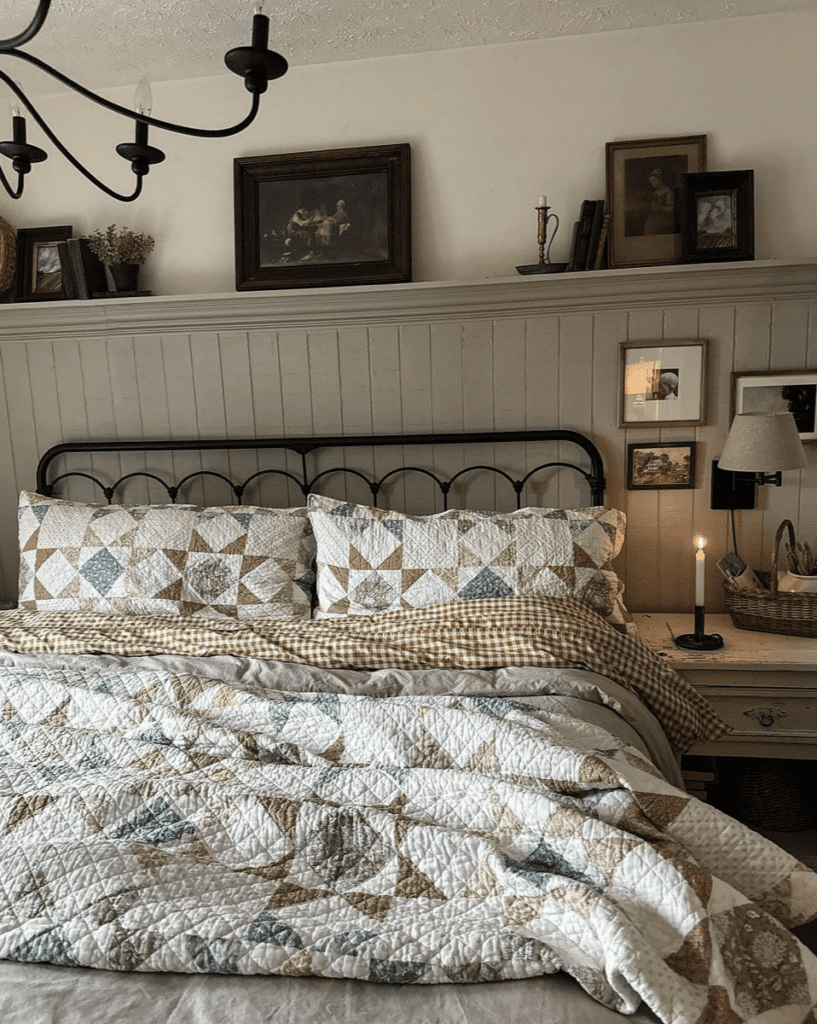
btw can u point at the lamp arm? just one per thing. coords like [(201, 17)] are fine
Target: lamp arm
[(168, 126), (28, 34), (65, 152)]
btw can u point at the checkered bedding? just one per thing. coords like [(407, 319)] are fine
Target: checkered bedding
[(421, 825)]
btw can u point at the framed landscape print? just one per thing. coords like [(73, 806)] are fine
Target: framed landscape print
[(644, 178), (334, 217), (793, 391), (661, 466), (662, 382), (718, 217)]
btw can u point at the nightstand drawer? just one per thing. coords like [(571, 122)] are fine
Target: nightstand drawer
[(782, 712)]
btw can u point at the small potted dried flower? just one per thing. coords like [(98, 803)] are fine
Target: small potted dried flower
[(124, 251), (801, 577)]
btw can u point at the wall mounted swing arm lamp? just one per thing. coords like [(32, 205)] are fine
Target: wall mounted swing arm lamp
[(255, 63)]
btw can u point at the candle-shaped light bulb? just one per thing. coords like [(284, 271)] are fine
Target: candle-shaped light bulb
[(16, 109), (700, 567), (259, 7), (143, 97)]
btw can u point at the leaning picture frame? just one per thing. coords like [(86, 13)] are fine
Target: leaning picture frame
[(662, 383), (793, 391), (39, 270), (644, 178), (331, 217), (661, 465), (718, 216)]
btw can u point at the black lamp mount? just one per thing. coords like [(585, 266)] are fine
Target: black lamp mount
[(256, 64)]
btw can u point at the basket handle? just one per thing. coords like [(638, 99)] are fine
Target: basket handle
[(776, 552)]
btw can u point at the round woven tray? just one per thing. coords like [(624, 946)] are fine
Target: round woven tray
[(773, 611), (8, 255)]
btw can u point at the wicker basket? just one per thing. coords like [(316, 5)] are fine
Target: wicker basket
[(772, 611)]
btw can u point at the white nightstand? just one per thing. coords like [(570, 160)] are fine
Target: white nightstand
[(763, 684)]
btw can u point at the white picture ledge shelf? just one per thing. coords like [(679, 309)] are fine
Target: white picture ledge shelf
[(697, 284)]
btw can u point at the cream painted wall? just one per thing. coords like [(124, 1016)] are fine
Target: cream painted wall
[(491, 128)]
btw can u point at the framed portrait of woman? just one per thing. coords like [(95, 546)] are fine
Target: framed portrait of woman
[(644, 179)]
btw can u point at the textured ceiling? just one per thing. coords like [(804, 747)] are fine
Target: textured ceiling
[(115, 42)]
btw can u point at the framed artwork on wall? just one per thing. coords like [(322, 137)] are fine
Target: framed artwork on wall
[(39, 271), (793, 391), (644, 178), (718, 216), (334, 217), (662, 382), (661, 466)]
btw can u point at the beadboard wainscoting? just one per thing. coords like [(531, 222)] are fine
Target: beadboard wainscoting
[(499, 354)]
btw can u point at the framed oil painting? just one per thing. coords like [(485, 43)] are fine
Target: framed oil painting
[(334, 217), (39, 271), (661, 466), (644, 179), (718, 216), (662, 383), (793, 391)]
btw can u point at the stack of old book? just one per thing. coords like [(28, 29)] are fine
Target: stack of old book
[(83, 273), (589, 244)]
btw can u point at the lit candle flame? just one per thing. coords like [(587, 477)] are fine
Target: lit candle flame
[(700, 543)]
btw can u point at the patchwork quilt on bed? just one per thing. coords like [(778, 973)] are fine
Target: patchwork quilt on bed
[(160, 820)]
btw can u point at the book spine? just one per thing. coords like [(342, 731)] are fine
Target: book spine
[(68, 283), (95, 277), (605, 231), (80, 283), (571, 260)]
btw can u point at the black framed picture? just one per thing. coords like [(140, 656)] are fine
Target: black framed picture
[(718, 216), (643, 197), (793, 391), (661, 466), (334, 217), (39, 271)]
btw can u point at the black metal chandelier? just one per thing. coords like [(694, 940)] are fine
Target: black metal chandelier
[(256, 64)]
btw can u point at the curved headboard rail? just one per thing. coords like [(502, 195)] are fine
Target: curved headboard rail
[(304, 446)]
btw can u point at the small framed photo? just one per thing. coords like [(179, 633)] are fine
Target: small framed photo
[(661, 466), (334, 217), (644, 178), (39, 271), (662, 382), (793, 391), (718, 216)]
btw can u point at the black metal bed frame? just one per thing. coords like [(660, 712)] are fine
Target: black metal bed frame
[(303, 446)]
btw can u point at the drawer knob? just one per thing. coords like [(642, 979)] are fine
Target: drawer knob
[(766, 716)]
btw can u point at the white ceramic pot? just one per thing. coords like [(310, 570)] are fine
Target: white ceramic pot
[(792, 583)]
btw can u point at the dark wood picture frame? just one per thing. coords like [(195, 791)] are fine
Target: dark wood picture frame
[(793, 391), (661, 466), (643, 197), (332, 217), (39, 270), (718, 216)]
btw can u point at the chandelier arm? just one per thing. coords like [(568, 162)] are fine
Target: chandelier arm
[(6, 185), (28, 34), (116, 108), (69, 156)]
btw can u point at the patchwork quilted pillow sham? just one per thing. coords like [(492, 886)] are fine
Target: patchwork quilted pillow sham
[(242, 562), (373, 560)]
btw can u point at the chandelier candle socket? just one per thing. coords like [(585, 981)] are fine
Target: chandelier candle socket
[(699, 640)]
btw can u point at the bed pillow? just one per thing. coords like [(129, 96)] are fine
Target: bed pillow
[(372, 560), (242, 562)]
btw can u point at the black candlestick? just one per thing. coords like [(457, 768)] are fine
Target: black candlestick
[(699, 640)]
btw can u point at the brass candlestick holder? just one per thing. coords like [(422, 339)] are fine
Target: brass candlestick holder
[(544, 266)]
